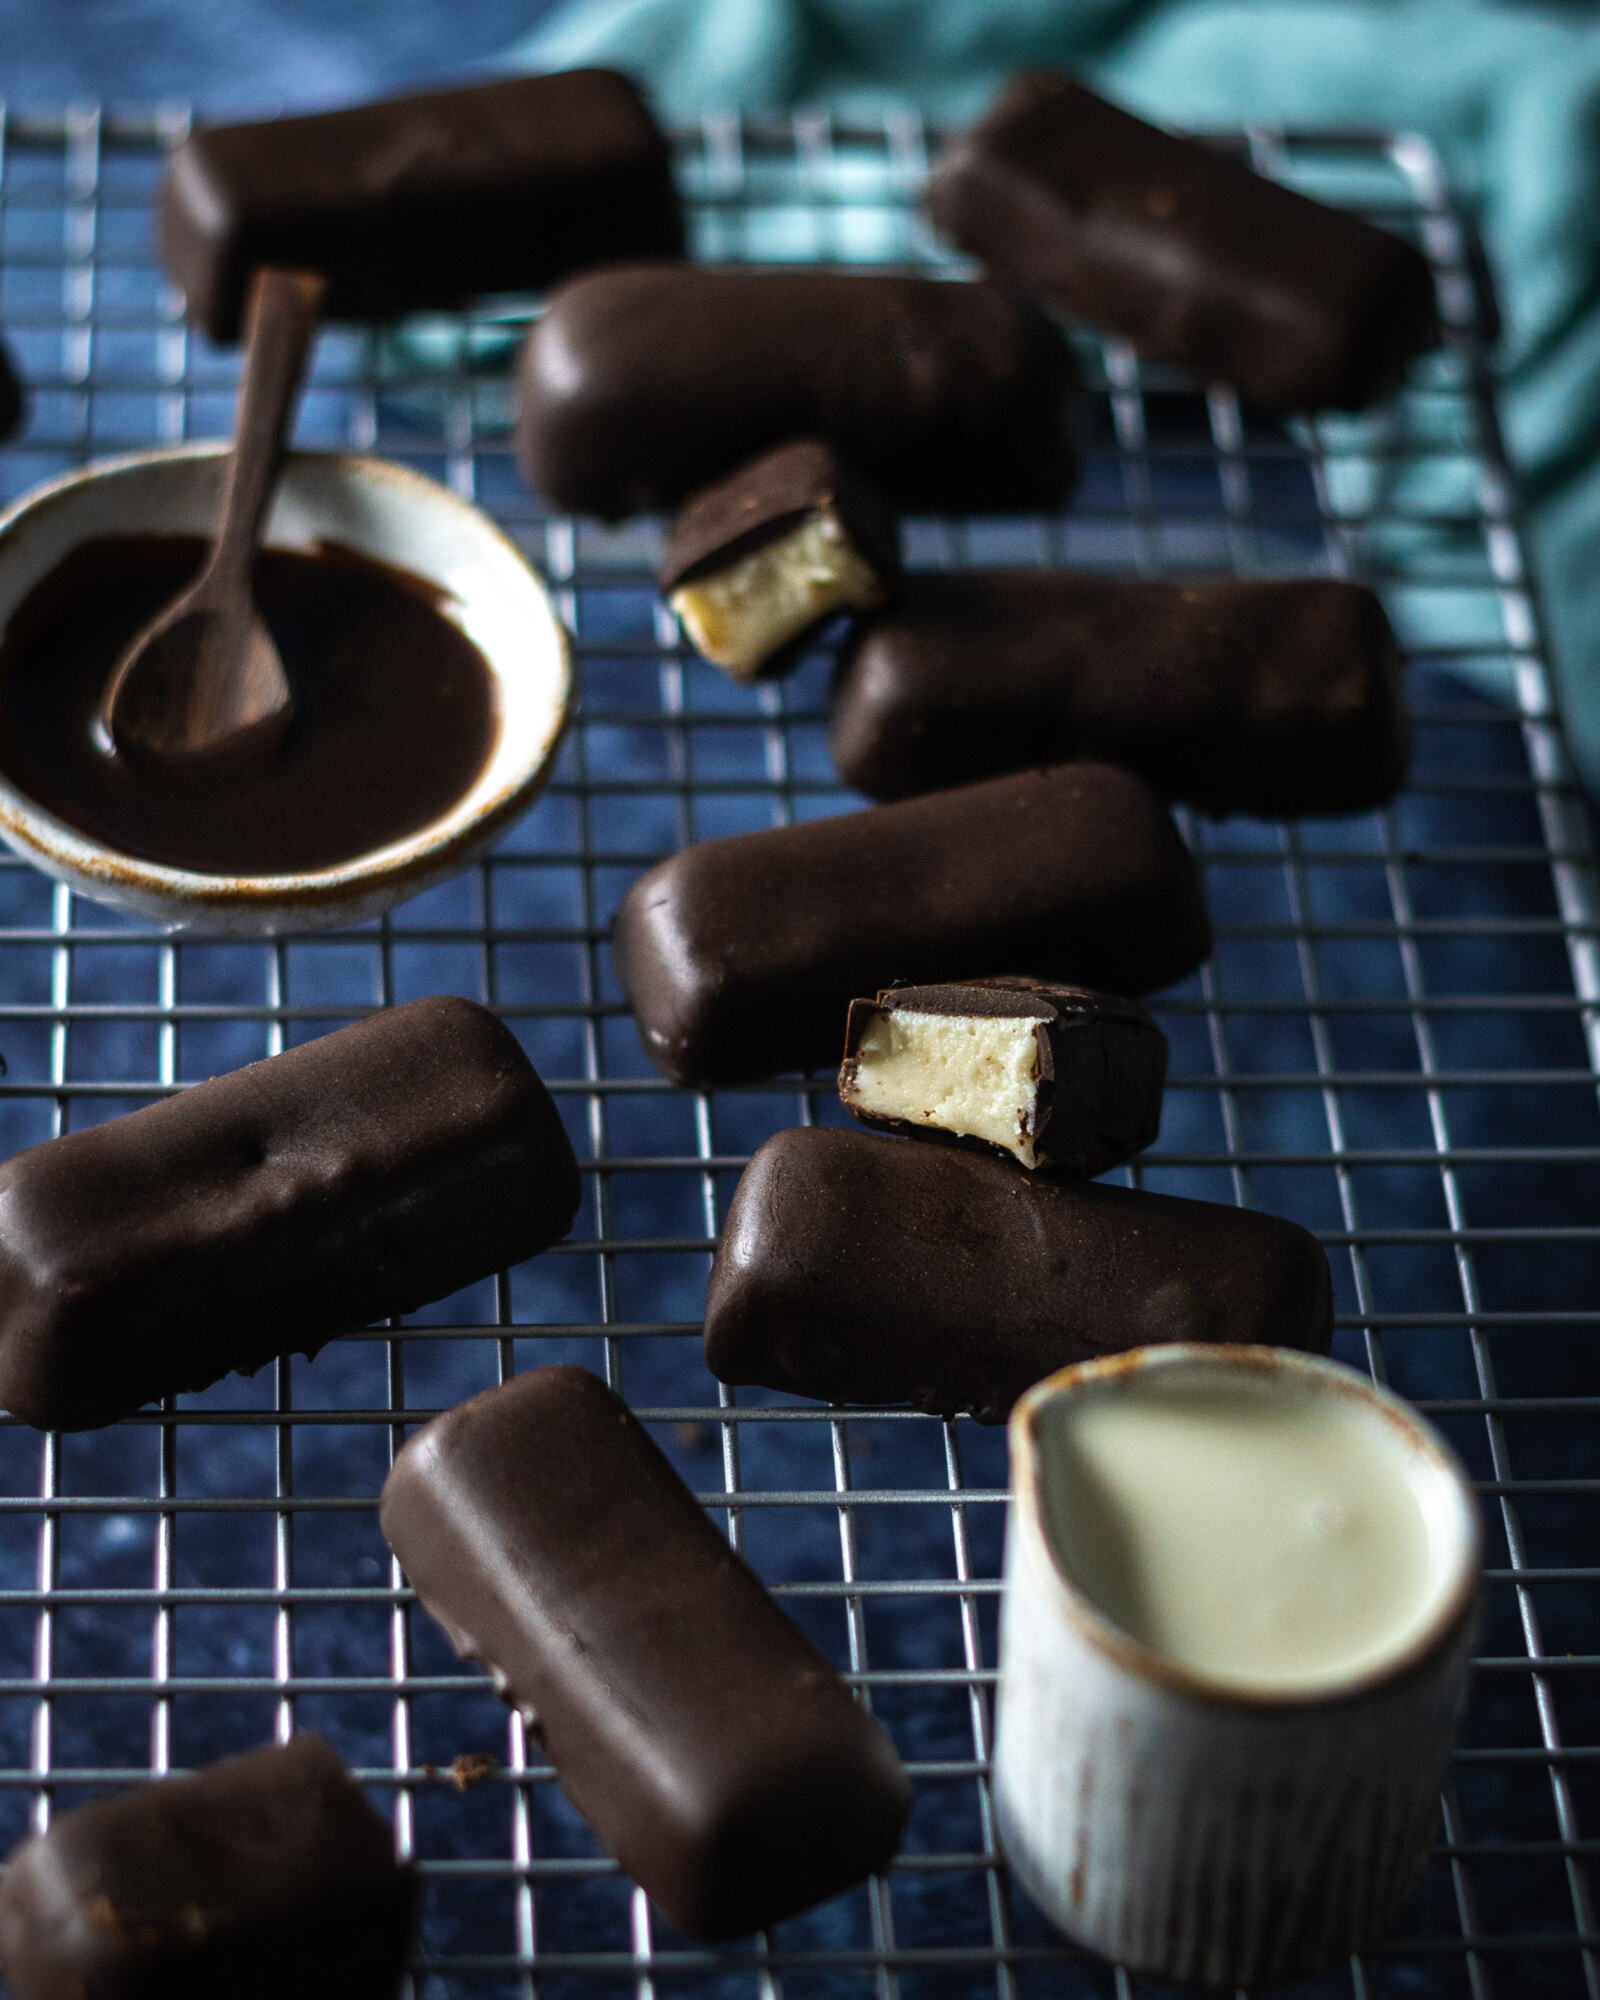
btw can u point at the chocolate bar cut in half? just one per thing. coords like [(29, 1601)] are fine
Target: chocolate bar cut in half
[(1058, 1077), (760, 559)]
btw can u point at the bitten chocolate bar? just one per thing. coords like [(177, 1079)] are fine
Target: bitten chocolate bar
[(863, 1269), (1260, 697), (756, 561), (256, 1215), (265, 1875), (741, 956), (1058, 1077), (1182, 250), (421, 201), (642, 384), (710, 1746)]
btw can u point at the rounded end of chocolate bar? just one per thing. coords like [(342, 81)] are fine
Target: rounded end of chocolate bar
[(1273, 1287), (832, 1818), (193, 212)]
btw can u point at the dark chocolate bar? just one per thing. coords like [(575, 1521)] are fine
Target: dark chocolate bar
[(1056, 1077), (1261, 697), (756, 561), (1182, 250), (264, 1876), (12, 400), (863, 1269), (741, 956), (644, 383), (421, 201), (358, 1175), (706, 1741)]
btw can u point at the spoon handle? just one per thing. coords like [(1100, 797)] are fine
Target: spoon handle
[(280, 325)]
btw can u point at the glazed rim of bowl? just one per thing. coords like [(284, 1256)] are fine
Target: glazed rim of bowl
[(519, 760), (1456, 1601)]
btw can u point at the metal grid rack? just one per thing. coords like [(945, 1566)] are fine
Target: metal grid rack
[(1395, 1043)]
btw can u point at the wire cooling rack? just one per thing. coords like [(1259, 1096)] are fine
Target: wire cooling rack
[(1395, 1043)]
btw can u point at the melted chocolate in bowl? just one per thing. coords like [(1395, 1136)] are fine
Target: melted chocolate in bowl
[(395, 712)]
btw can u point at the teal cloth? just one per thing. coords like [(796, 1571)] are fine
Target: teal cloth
[(1510, 94)]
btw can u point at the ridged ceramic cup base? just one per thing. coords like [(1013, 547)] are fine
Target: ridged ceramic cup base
[(1194, 1832)]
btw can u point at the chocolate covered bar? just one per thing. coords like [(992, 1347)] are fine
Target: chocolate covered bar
[(256, 1215), (1260, 697), (643, 383), (421, 201), (1182, 250), (863, 1269), (1058, 1077), (741, 956), (12, 400), (710, 1746), (260, 1877), (756, 561)]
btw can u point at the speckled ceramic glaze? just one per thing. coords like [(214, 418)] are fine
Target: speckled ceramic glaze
[(1189, 1830), (380, 510)]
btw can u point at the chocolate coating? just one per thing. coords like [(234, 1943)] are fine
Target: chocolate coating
[(643, 383), (862, 1269), (1261, 697), (741, 956), (259, 1877), (358, 1175), (395, 711), (707, 1742), (421, 201), (1182, 250), (768, 496), (1102, 1067), (12, 400)]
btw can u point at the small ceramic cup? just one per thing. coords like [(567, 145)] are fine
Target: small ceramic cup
[(1188, 1825), (380, 510)]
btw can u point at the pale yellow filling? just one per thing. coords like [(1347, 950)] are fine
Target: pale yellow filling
[(969, 1075), (740, 616)]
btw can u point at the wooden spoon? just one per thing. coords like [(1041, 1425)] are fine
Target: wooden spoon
[(200, 694)]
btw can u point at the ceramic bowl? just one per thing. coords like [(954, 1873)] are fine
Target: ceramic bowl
[(1192, 1829), (380, 510)]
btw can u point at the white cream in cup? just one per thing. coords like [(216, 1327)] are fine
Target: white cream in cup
[(1242, 1587)]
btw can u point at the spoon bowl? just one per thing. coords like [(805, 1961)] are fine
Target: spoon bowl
[(200, 744)]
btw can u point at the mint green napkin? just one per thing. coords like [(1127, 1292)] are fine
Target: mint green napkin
[(1509, 93)]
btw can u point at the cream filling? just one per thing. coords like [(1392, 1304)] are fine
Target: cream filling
[(967, 1074), (1256, 1531), (740, 616)]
